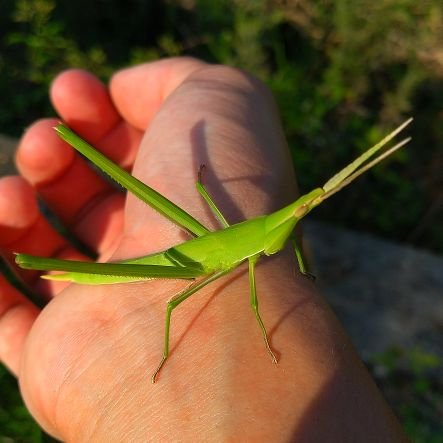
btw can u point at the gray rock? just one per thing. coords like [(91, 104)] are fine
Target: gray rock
[(385, 294)]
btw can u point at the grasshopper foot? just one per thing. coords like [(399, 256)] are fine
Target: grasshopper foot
[(309, 276), (155, 374)]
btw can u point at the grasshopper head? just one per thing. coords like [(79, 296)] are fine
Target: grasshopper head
[(280, 224)]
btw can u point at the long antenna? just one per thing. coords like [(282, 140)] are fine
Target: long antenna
[(346, 172), (364, 168)]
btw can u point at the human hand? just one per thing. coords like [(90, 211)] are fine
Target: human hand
[(84, 362)]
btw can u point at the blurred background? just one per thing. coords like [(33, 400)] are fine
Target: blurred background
[(343, 72)]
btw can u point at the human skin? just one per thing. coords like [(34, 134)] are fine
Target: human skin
[(84, 362)]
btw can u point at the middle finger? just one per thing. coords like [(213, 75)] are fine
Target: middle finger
[(83, 200)]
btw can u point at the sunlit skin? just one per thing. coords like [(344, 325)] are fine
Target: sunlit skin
[(211, 254), (84, 362)]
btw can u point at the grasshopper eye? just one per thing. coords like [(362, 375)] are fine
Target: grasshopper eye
[(301, 211)]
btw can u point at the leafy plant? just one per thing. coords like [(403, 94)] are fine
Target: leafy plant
[(16, 424), (408, 380)]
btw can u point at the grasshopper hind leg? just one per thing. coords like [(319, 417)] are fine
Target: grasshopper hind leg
[(172, 304)]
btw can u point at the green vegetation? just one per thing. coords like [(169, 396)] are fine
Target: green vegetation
[(16, 425), (409, 382), (343, 72)]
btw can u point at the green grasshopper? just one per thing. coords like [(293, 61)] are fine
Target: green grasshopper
[(209, 255)]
